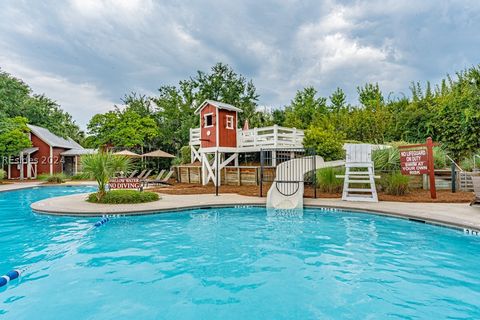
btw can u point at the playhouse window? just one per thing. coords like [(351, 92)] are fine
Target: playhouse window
[(208, 120), (229, 122)]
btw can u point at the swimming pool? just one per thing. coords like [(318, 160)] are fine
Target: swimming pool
[(233, 263)]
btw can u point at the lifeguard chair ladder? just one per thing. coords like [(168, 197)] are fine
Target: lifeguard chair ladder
[(359, 170)]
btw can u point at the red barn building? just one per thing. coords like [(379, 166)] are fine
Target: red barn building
[(49, 154)]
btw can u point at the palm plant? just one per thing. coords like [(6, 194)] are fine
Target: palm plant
[(103, 166)]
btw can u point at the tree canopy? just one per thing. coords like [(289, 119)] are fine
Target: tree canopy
[(19, 106), (18, 100)]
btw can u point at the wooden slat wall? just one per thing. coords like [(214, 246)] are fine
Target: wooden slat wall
[(242, 175)]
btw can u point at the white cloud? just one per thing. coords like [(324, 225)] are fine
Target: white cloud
[(81, 100), (126, 45)]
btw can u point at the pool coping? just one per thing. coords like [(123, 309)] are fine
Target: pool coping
[(469, 221)]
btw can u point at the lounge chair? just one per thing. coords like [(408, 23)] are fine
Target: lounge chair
[(163, 181), (132, 174), (476, 190), (145, 177), (140, 176), (160, 175)]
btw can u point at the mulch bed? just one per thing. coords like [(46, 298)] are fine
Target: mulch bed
[(418, 195)]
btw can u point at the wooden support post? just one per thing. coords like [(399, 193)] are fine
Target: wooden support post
[(239, 177), (431, 168)]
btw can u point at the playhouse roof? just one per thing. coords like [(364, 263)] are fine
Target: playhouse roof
[(219, 105), (52, 139)]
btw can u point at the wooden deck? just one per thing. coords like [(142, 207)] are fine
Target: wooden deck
[(255, 139)]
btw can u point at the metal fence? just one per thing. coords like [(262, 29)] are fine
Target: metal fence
[(289, 175)]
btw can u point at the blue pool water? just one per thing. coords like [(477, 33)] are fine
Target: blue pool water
[(233, 263)]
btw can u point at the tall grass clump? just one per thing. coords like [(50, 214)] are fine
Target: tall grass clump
[(2, 174), (387, 159), (327, 180), (395, 183)]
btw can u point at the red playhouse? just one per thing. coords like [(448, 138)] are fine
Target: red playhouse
[(219, 137)]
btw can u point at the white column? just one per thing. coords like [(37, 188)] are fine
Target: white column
[(51, 160), (21, 166)]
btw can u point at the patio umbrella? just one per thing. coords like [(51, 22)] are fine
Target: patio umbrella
[(158, 154), (127, 153)]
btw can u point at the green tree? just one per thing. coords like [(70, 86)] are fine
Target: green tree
[(304, 109), (338, 101), (325, 140), (175, 115), (13, 137), (123, 129), (17, 100), (370, 96), (225, 85)]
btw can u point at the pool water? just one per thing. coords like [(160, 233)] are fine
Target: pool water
[(233, 263)]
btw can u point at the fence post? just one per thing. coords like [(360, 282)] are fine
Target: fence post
[(261, 171), (433, 190), (454, 177), (314, 174)]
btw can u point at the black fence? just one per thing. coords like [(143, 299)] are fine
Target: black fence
[(270, 159)]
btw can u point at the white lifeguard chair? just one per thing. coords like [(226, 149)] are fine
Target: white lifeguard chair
[(359, 170)]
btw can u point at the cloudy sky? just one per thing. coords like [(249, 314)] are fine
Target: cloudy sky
[(87, 54)]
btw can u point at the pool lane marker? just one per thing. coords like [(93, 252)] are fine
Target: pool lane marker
[(101, 222), (14, 274)]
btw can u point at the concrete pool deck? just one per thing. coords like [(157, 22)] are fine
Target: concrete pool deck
[(18, 186), (447, 214)]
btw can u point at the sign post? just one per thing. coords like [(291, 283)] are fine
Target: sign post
[(418, 159), (431, 169)]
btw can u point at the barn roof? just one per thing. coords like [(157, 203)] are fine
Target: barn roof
[(78, 152), (219, 105), (52, 139)]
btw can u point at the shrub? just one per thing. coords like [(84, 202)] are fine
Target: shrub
[(439, 158), (124, 197), (327, 142), (395, 183), (467, 164), (54, 178), (327, 180), (2, 174)]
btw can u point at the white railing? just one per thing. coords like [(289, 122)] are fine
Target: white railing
[(274, 136), (195, 136)]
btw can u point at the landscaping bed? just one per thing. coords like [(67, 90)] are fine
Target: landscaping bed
[(416, 195)]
